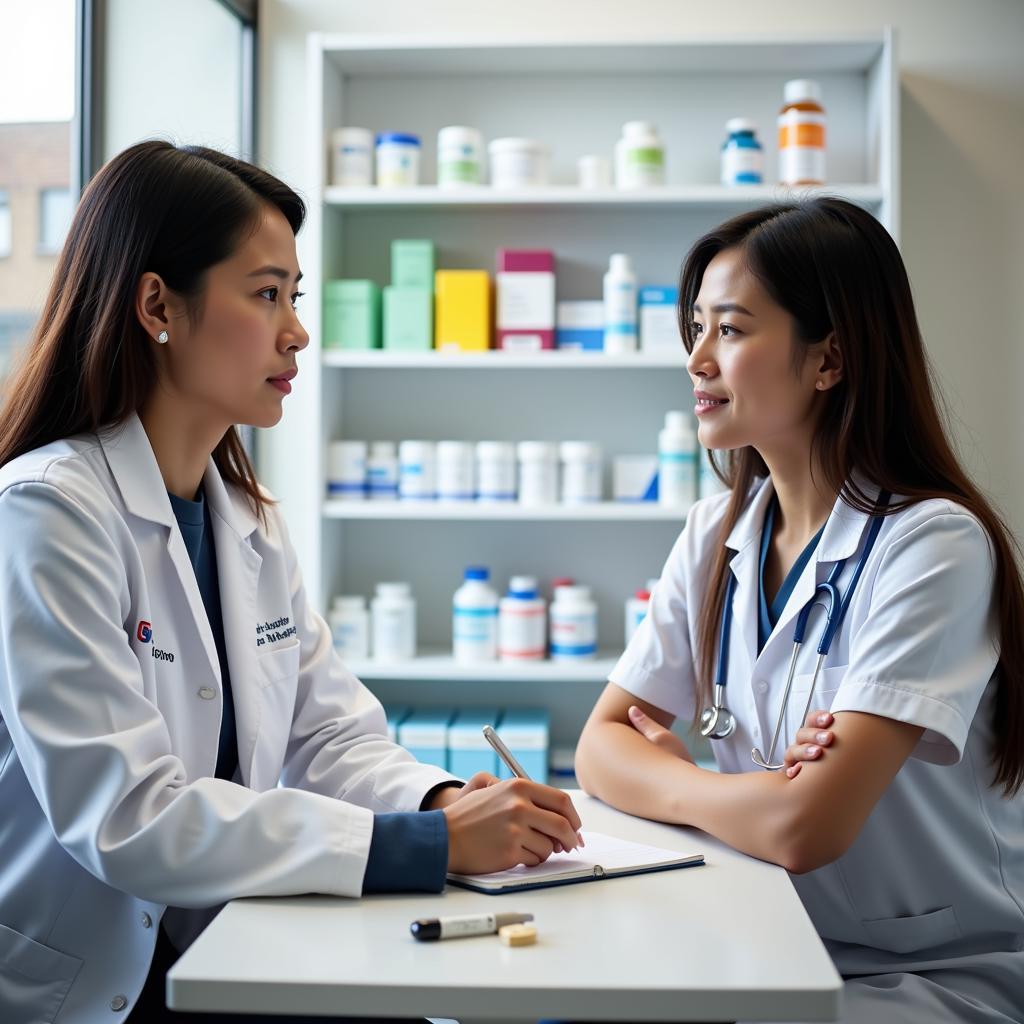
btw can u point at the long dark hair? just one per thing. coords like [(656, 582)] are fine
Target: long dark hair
[(834, 268), (174, 211)]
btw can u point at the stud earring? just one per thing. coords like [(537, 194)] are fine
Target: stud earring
[(820, 384), (163, 337)]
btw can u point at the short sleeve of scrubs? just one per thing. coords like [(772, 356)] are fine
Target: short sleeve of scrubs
[(927, 648), (657, 666)]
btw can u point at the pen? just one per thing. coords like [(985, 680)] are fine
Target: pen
[(430, 929), (504, 753), (510, 762)]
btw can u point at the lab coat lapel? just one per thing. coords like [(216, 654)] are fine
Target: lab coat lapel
[(744, 539), (238, 570), (137, 475)]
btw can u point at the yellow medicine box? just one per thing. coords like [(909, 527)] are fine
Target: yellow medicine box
[(462, 304)]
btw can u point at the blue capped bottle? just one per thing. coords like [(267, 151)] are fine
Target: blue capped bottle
[(742, 156)]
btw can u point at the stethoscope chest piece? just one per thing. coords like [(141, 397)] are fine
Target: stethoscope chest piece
[(717, 722)]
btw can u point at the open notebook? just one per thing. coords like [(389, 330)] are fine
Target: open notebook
[(602, 857)]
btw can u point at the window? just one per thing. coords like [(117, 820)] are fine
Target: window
[(5, 224), (55, 208)]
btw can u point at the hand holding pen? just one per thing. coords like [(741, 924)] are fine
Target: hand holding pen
[(510, 823)]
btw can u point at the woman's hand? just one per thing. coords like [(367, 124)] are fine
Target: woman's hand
[(658, 734), (500, 825), (810, 741)]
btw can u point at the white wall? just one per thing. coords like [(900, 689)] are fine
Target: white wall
[(962, 95)]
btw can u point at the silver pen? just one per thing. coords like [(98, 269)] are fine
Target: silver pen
[(504, 753), (512, 764)]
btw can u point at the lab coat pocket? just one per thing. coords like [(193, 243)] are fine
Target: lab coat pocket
[(908, 934), (279, 663), (825, 689), (34, 979), (278, 672)]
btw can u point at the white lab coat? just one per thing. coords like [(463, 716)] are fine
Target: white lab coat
[(110, 709), (935, 880)]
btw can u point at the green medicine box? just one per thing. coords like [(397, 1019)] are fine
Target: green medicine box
[(351, 314), (412, 263), (409, 319)]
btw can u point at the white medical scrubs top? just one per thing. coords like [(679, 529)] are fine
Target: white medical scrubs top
[(936, 875)]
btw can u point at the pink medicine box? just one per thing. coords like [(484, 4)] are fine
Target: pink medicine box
[(525, 313)]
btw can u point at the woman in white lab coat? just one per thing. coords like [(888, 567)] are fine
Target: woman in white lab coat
[(175, 728), (901, 812)]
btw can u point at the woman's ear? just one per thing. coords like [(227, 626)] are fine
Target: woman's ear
[(151, 301), (829, 360)]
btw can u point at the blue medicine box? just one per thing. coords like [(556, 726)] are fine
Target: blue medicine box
[(395, 717), (425, 735), (468, 751), (525, 732)]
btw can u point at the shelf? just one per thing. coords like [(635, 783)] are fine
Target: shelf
[(606, 511), (380, 359), (441, 666), (475, 197)]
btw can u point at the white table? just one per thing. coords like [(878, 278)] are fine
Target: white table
[(726, 941)]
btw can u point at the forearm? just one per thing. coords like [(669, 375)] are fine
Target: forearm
[(755, 813), (619, 766), (758, 813)]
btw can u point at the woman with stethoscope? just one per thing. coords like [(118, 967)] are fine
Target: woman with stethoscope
[(176, 730), (852, 569)]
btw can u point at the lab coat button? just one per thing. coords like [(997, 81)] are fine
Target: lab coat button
[(762, 686), (207, 693), (118, 1003), (147, 921)]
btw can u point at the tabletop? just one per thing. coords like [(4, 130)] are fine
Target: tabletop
[(729, 940)]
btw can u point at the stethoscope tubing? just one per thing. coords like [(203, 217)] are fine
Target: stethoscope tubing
[(835, 612)]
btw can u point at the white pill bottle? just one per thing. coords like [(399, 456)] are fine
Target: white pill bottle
[(475, 618)]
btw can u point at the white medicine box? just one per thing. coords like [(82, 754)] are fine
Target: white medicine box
[(659, 325)]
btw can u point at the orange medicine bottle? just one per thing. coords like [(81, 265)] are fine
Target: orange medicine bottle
[(802, 134)]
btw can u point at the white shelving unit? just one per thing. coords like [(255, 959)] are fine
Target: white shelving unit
[(438, 666), (468, 511), (574, 96)]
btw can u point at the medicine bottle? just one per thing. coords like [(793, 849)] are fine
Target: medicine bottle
[(522, 622), (393, 613), (639, 156), (742, 155), (455, 471), (398, 160), (460, 153), (581, 472), (636, 610), (495, 471), (573, 624), (382, 471), (802, 134), (350, 628), (475, 618), (677, 462), (538, 472), (417, 470), (352, 157), (346, 470), (620, 308)]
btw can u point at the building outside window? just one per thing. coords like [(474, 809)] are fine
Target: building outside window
[(55, 209)]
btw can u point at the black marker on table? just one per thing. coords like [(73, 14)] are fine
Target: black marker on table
[(434, 928)]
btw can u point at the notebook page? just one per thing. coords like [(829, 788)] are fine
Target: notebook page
[(611, 853)]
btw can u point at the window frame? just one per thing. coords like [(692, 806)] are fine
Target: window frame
[(87, 127)]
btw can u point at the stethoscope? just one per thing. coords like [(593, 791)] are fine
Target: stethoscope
[(718, 722)]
